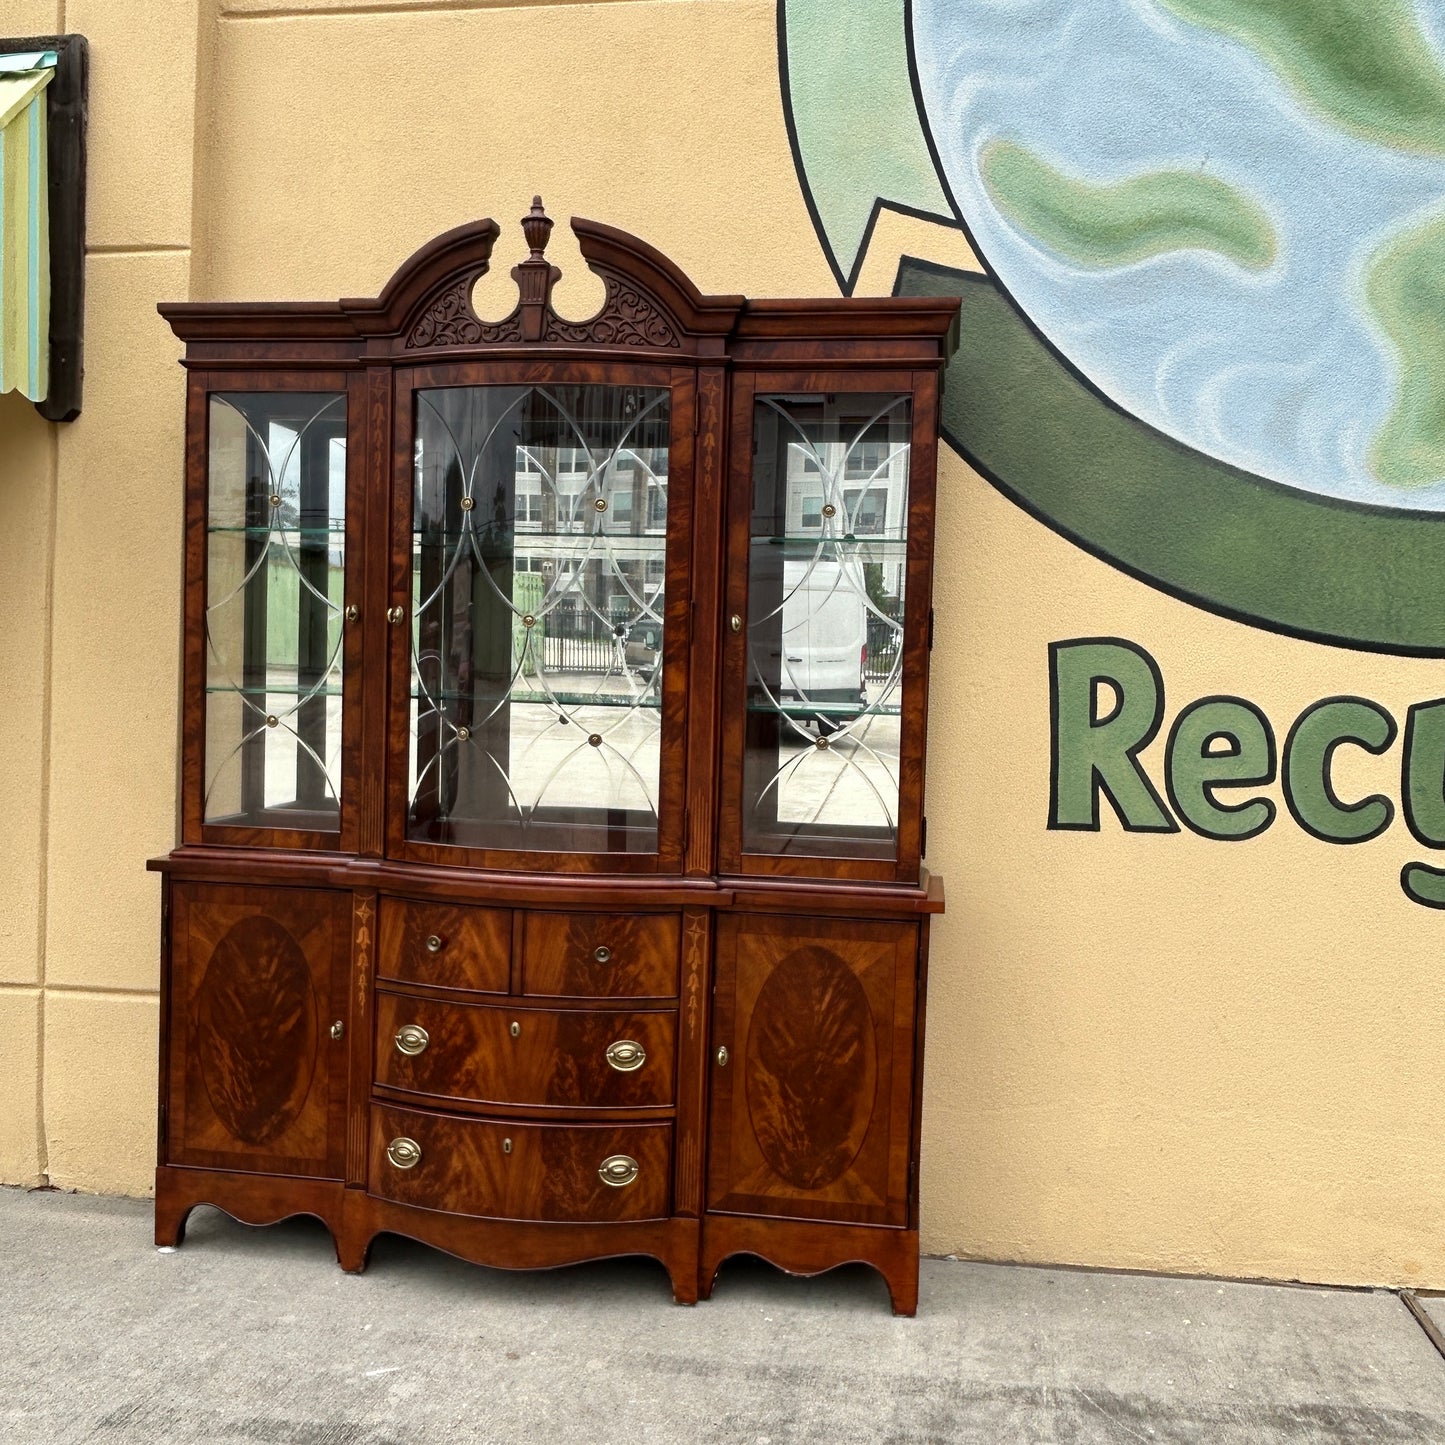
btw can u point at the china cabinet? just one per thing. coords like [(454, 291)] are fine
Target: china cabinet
[(549, 883)]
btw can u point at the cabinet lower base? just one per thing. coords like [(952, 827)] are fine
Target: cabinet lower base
[(355, 1218), (803, 1247), (690, 1250)]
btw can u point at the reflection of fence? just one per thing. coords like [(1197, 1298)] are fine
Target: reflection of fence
[(884, 639), (578, 640)]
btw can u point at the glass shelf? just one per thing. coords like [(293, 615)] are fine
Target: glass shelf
[(219, 689), (564, 699), (844, 710), (895, 546), (331, 530)]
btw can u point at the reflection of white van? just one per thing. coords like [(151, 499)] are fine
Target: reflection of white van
[(824, 641)]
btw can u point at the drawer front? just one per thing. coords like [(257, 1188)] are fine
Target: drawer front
[(601, 955), (445, 944), (573, 1058), (546, 1172)]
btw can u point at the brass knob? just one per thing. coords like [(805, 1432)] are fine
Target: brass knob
[(395, 614), (602, 953), (722, 1056), (617, 1170), (515, 1030), (434, 943), (404, 1153), (337, 1029), (411, 1039), (735, 622), (626, 1055), (353, 612)]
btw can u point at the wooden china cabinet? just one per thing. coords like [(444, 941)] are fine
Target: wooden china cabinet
[(550, 882)]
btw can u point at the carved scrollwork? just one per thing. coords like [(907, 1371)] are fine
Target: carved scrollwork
[(629, 317), (450, 321)]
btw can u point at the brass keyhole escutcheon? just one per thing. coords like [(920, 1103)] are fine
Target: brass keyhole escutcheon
[(434, 943), (404, 1153), (626, 1055), (722, 1056), (602, 953), (411, 1040), (617, 1170), (506, 1146), (515, 1030)]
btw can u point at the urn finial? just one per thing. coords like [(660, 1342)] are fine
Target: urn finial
[(537, 227)]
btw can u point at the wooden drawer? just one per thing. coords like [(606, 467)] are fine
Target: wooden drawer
[(445, 944), (506, 1170), (556, 1056), (601, 955)]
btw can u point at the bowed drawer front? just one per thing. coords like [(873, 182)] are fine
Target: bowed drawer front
[(446, 945), (501, 1055), (600, 955), (503, 1170)]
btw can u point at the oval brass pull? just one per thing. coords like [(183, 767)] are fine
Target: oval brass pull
[(434, 943), (395, 614), (617, 1170), (602, 953), (722, 1056), (626, 1055), (412, 1039), (404, 1153), (515, 1030)]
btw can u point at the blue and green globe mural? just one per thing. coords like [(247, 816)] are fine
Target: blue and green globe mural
[(1209, 343)]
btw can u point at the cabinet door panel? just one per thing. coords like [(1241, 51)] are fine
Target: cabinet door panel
[(811, 1112), (258, 975)]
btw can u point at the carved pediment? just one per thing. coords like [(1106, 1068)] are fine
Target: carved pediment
[(631, 315)]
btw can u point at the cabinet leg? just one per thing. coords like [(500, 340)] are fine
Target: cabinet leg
[(903, 1290), (684, 1282), (354, 1233), (172, 1211)]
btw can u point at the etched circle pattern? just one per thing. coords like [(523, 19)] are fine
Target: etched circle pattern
[(255, 1030), (811, 1068)]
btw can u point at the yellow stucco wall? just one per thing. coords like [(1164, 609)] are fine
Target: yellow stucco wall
[(1143, 1051)]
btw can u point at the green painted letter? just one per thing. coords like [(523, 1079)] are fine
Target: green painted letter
[(1422, 777), (1194, 768), (1093, 754), (1308, 751)]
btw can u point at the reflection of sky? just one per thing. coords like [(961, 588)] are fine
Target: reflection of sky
[(1277, 371)]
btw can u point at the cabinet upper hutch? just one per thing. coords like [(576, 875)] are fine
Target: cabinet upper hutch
[(550, 876)]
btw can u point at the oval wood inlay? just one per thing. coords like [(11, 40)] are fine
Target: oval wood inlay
[(811, 1069), (255, 1030)]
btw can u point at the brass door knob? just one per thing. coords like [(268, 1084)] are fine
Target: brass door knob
[(411, 1039), (353, 612), (626, 1055), (735, 622), (404, 1153), (602, 953), (434, 943), (337, 1029), (395, 614), (618, 1170)]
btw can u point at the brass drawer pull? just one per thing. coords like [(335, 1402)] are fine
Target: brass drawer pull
[(404, 1153), (617, 1170), (412, 1039), (434, 944), (602, 953), (626, 1055)]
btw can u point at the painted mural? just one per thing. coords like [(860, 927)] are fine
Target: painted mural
[(1206, 342)]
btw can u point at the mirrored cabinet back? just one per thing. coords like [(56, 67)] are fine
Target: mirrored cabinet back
[(550, 877)]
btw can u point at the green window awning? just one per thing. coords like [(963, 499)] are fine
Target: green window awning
[(24, 224)]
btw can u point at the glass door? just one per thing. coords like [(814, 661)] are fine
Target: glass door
[(543, 701), (272, 669), (823, 601)]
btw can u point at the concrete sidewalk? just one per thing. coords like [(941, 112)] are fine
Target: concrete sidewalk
[(256, 1336)]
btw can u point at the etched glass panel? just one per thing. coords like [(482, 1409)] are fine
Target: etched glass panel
[(538, 568), (827, 567), (275, 552)]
